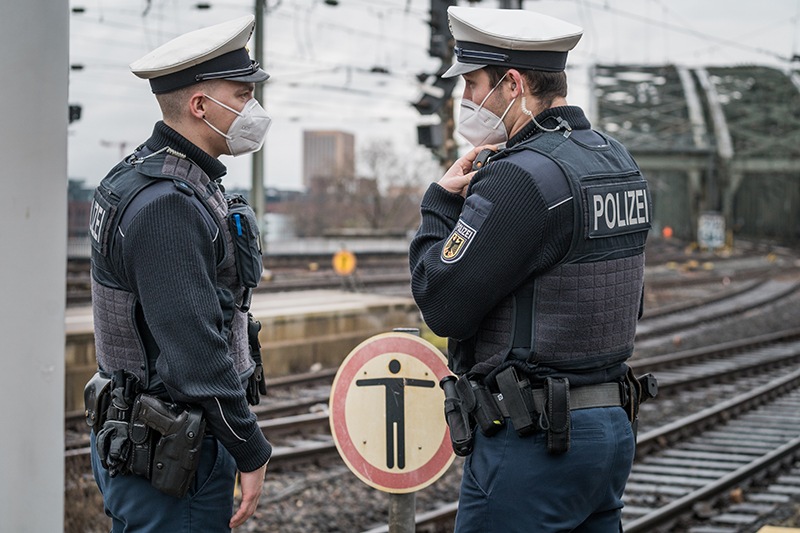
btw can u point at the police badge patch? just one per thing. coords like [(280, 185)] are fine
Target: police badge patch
[(458, 242)]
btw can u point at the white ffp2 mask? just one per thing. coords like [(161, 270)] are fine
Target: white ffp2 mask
[(248, 130), (480, 126)]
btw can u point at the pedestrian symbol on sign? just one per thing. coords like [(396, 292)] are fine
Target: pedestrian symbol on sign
[(395, 410), (387, 415)]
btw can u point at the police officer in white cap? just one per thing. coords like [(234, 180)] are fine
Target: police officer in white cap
[(174, 261), (530, 259)]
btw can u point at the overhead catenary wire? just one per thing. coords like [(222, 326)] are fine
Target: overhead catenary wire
[(323, 72), (606, 7)]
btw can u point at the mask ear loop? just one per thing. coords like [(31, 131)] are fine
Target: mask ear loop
[(500, 121), (213, 127), (504, 114), (229, 108), (210, 125), (490, 92), (561, 122)]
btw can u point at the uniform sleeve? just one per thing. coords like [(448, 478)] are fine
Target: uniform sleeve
[(464, 264), (170, 259)]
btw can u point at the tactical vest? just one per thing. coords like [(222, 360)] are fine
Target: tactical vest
[(580, 315), (119, 328)]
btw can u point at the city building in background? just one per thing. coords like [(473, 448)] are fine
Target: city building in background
[(327, 155)]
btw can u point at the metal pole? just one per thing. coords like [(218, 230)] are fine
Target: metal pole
[(403, 507), (257, 186), (33, 218)]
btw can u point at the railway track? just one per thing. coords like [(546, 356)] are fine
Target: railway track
[(293, 420), (758, 294), (389, 272), (285, 414), (719, 459), (297, 421), (277, 417), (699, 459), (724, 467)]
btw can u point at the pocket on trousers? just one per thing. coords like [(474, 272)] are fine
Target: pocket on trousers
[(483, 465), (587, 433), (212, 466)]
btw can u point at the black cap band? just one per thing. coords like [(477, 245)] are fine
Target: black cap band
[(484, 54), (235, 65)]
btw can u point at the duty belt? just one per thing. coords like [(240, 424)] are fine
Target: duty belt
[(529, 410), (587, 397), (548, 409)]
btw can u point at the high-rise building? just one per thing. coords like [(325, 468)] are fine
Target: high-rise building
[(328, 155)]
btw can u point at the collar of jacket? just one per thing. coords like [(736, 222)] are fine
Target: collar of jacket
[(572, 114), (163, 136)]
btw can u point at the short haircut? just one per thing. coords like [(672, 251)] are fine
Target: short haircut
[(173, 103), (546, 86)]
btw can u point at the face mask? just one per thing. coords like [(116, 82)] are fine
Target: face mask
[(248, 130), (480, 126)]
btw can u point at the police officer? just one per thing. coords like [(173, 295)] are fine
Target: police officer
[(533, 266), (169, 298)]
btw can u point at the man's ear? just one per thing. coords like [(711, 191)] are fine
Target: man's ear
[(516, 84), (197, 105)]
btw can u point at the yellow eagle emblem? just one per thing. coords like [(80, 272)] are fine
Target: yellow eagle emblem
[(452, 246), (457, 243)]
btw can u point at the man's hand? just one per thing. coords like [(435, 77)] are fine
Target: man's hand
[(458, 176), (251, 483)]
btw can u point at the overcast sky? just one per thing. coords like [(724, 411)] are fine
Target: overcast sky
[(321, 57)]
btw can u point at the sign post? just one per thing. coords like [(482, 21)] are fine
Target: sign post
[(387, 418)]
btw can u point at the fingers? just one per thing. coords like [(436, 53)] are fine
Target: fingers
[(456, 183), (479, 149), (252, 483), (464, 164), (242, 514), (245, 510), (458, 176)]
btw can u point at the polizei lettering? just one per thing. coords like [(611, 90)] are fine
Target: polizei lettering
[(617, 209), (96, 219), (99, 218)]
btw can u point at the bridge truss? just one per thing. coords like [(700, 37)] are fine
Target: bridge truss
[(715, 139)]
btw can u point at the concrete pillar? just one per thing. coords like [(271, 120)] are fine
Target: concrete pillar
[(33, 218)]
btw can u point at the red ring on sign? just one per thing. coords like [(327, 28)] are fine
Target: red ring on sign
[(399, 343)]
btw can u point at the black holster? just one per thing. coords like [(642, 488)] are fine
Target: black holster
[(142, 435), (557, 414), (527, 418), (173, 462), (96, 398), (113, 439), (477, 401), (457, 418), (256, 383), (638, 390), (518, 398)]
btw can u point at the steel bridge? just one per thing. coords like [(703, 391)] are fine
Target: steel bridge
[(715, 139)]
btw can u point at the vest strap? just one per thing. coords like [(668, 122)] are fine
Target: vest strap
[(523, 316)]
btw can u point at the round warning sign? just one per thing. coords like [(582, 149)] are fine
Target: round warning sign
[(344, 262), (387, 413)]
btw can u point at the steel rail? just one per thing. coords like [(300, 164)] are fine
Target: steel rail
[(670, 433), (707, 313)]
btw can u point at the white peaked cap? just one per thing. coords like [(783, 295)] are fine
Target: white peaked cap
[(513, 38), (215, 52)]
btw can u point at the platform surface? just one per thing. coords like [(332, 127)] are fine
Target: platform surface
[(78, 319)]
